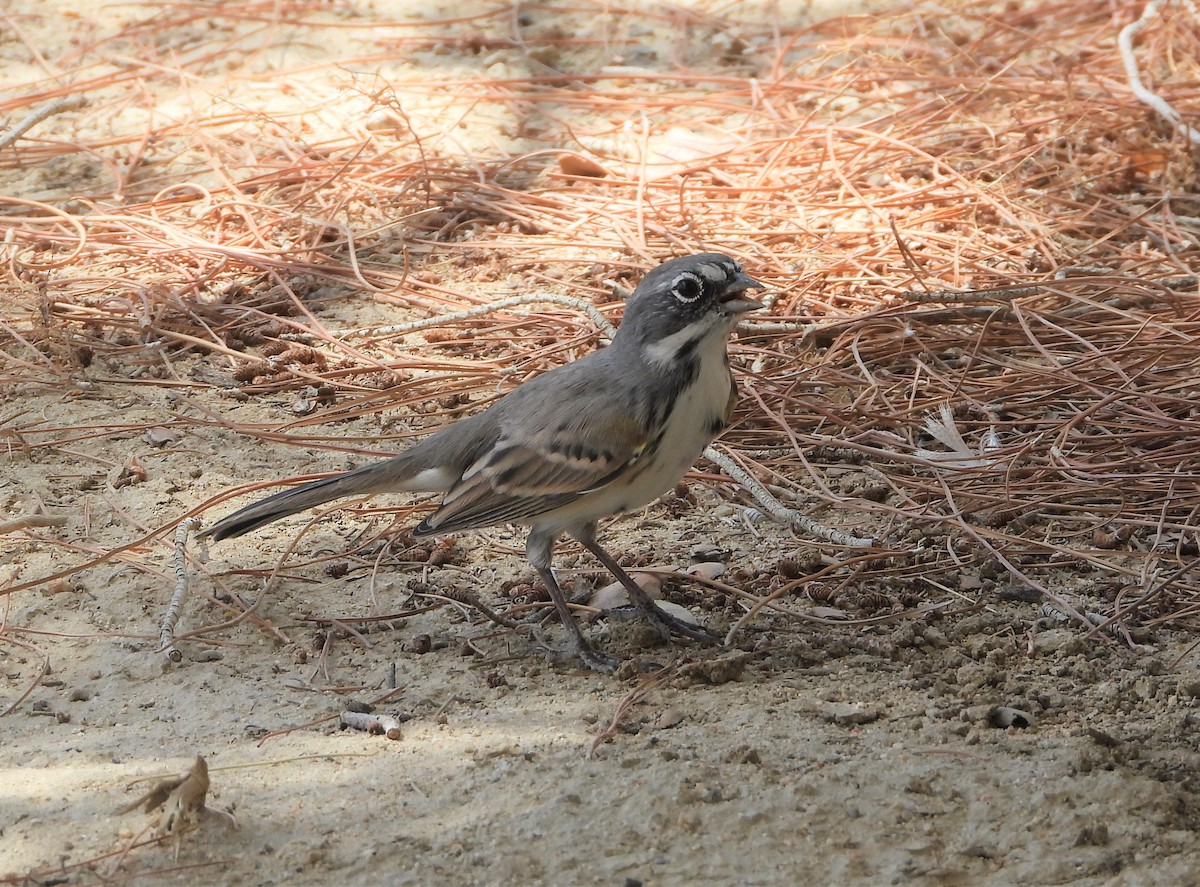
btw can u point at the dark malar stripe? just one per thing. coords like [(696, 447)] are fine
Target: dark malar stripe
[(680, 377), (687, 350)]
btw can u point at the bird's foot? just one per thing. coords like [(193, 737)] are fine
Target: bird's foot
[(592, 658), (672, 626), (597, 661)]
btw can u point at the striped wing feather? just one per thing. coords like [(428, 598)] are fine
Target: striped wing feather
[(522, 477)]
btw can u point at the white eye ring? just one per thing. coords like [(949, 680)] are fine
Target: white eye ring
[(687, 288)]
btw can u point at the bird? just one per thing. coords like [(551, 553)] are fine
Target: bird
[(603, 435)]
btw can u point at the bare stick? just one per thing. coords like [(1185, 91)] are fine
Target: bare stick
[(166, 629), (373, 724), (36, 116), (32, 520), (463, 596), (1156, 102), (777, 510)]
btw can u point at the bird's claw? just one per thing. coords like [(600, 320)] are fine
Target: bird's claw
[(669, 626), (593, 659)]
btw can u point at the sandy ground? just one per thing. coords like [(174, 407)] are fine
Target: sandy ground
[(809, 754)]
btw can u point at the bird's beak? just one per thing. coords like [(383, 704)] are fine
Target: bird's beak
[(734, 300)]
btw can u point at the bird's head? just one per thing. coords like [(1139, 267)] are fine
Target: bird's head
[(683, 300)]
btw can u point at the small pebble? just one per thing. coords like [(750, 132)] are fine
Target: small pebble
[(1003, 717), (707, 570), (849, 714), (668, 718), (1095, 835), (683, 614), (614, 594), (1189, 689)]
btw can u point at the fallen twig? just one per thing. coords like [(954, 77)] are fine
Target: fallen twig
[(166, 628), (385, 725), (1154, 101), (36, 116)]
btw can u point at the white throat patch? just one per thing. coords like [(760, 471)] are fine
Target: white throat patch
[(664, 350)]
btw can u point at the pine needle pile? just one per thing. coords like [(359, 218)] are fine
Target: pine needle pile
[(980, 231)]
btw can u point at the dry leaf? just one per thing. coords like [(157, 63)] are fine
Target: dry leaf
[(185, 804), (182, 799), (132, 472), (158, 436), (578, 165)]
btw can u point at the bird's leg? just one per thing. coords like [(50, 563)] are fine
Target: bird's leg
[(655, 615), (537, 549)]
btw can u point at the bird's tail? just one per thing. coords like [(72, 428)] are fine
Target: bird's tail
[(388, 475)]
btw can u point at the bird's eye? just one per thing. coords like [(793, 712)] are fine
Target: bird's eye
[(687, 288)]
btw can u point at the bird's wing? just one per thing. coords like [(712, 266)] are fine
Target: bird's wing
[(533, 471)]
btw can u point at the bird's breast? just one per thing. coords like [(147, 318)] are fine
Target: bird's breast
[(692, 414), (697, 415)]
